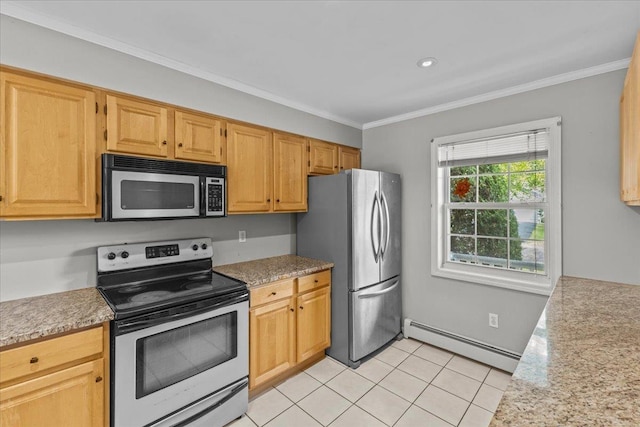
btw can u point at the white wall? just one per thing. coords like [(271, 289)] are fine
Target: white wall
[(601, 236), (39, 257)]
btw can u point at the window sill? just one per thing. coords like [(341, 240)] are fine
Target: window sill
[(493, 280)]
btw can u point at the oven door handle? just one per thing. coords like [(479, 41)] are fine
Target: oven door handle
[(126, 326)]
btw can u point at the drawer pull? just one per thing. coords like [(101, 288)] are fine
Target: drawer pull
[(98, 379), (315, 281), (273, 293), (33, 360)]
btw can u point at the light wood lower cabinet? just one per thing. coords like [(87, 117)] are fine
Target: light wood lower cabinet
[(289, 323), (60, 381)]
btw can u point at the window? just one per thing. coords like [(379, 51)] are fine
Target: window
[(496, 216)]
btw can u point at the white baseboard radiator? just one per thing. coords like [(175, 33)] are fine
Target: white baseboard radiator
[(482, 352)]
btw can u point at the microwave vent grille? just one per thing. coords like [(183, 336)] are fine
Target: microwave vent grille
[(138, 163)]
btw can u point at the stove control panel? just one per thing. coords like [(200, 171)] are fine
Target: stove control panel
[(135, 255)]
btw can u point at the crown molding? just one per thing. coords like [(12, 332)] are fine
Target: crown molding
[(537, 84), (14, 11)]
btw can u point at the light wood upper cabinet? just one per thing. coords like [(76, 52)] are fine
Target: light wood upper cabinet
[(630, 132), (48, 151), (136, 127), (290, 172), (313, 323), (249, 169), (323, 157), (349, 158), (198, 137), (59, 381)]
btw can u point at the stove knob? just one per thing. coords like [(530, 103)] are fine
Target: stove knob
[(204, 246), (111, 255), (194, 247), (124, 254)]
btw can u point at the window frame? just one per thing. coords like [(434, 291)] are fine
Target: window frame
[(504, 278)]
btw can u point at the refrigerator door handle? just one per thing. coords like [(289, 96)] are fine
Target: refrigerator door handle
[(375, 227), (387, 225), (382, 292)]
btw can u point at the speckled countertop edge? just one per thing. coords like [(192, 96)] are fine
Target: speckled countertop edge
[(582, 364), (42, 316), (266, 270)]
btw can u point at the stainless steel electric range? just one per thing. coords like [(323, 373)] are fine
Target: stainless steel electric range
[(180, 338)]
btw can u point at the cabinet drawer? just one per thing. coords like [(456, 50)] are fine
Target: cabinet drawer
[(313, 281), (38, 357), (272, 292)]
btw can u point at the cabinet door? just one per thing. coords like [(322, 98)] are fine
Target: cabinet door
[(323, 157), (314, 323), (271, 340), (630, 132), (71, 397), (48, 148), (198, 137), (349, 158), (290, 172), (136, 127), (249, 169)]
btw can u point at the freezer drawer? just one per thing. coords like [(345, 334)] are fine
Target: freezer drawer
[(376, 313)]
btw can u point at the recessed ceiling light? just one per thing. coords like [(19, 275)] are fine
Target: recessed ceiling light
[(427, 62)]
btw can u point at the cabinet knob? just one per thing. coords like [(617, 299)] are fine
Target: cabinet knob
[(268, 200), (273, 293), (301, 308), (180, 145), (98, 379), (277, 200), (164, 142), (34, 360), (291, 309), (0, 198), (315, 281), (335, 167)]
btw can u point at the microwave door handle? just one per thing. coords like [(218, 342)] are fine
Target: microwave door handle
[(203, 196)]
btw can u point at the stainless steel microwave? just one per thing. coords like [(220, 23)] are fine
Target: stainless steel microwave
[(136, 188)]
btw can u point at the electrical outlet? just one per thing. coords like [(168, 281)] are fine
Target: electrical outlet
[(242, 236), (493, 320)]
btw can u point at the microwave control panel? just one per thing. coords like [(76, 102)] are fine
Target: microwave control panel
[(215, 196)]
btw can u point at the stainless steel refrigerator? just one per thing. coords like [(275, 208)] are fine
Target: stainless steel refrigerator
[(354, 220)]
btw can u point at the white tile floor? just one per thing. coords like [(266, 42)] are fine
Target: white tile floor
[(409, 384)]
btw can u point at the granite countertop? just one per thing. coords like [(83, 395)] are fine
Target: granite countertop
[(266, 270), (37, 317), (582, 364)]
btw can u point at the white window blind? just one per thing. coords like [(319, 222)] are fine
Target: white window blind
[(515, 147)]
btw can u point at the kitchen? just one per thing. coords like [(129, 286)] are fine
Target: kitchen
[(600, 240)]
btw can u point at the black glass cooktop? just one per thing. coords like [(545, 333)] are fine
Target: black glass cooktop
[(145, 290)]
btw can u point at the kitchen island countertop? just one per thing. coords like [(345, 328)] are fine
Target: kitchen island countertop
[(266, 270), (42, 316), (582, 364)]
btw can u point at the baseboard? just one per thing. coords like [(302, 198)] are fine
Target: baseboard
[(464, 346)]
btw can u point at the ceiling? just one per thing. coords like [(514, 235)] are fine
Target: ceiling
[(355, 61)]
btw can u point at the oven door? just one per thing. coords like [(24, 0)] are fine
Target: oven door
[(144, 195), (169, 368)]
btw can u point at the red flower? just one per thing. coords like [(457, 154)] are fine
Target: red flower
[(462, 187)]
